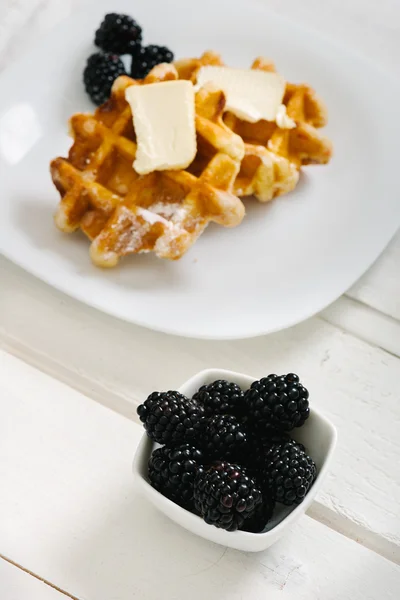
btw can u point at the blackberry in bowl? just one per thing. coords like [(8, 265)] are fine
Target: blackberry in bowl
[(173, 470), (221, 397), (225, 496), (236, 502), (224, 436)]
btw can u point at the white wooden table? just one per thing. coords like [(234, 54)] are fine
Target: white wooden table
[(70, 378)]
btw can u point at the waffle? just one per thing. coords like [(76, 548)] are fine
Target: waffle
[(165, 211), (273, 156), (188, 68)]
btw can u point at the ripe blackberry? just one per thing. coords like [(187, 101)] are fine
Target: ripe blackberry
[(278, 401), (119, 34), (259, 446), (289, 473), (262, 515), (221, 398), (224, 437), (224, 495), (172, 472), (100, 72), (144, 59), (171, 418)]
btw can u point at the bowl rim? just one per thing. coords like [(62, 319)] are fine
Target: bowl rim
[(288, 520)]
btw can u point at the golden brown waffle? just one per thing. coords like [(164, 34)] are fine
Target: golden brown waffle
[(273, 156), (165, 211), (188, 67)]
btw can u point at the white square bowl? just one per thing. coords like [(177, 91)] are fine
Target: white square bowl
[(318, 435)]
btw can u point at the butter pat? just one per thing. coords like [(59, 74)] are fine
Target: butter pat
[(251, 94), (283, 120), (164, 122)]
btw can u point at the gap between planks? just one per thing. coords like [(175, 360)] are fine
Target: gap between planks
[(353, 531), (127, 408), (45, 581), (366, 323)]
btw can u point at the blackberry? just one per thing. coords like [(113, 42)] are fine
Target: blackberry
[(100, 73), (224, 437), (170, 417), (259, 446), (119, 34), (225, 496), (289, 473), (172, 472), (144, 59), (220, 398), (262, 515), (280, 402)]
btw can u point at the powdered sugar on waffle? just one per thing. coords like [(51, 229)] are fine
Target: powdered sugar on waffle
[(132, 239), (167, 245), (172, 232), (173, 211)]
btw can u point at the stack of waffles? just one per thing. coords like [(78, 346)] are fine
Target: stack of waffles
[(122, 212)]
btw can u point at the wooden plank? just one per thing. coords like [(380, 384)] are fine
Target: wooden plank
[(16, 584), (380, 286), (119, 364), (365, 322), (85, 529)]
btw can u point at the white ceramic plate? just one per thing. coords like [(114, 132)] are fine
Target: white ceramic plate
[(288, 259), (318, 435)]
